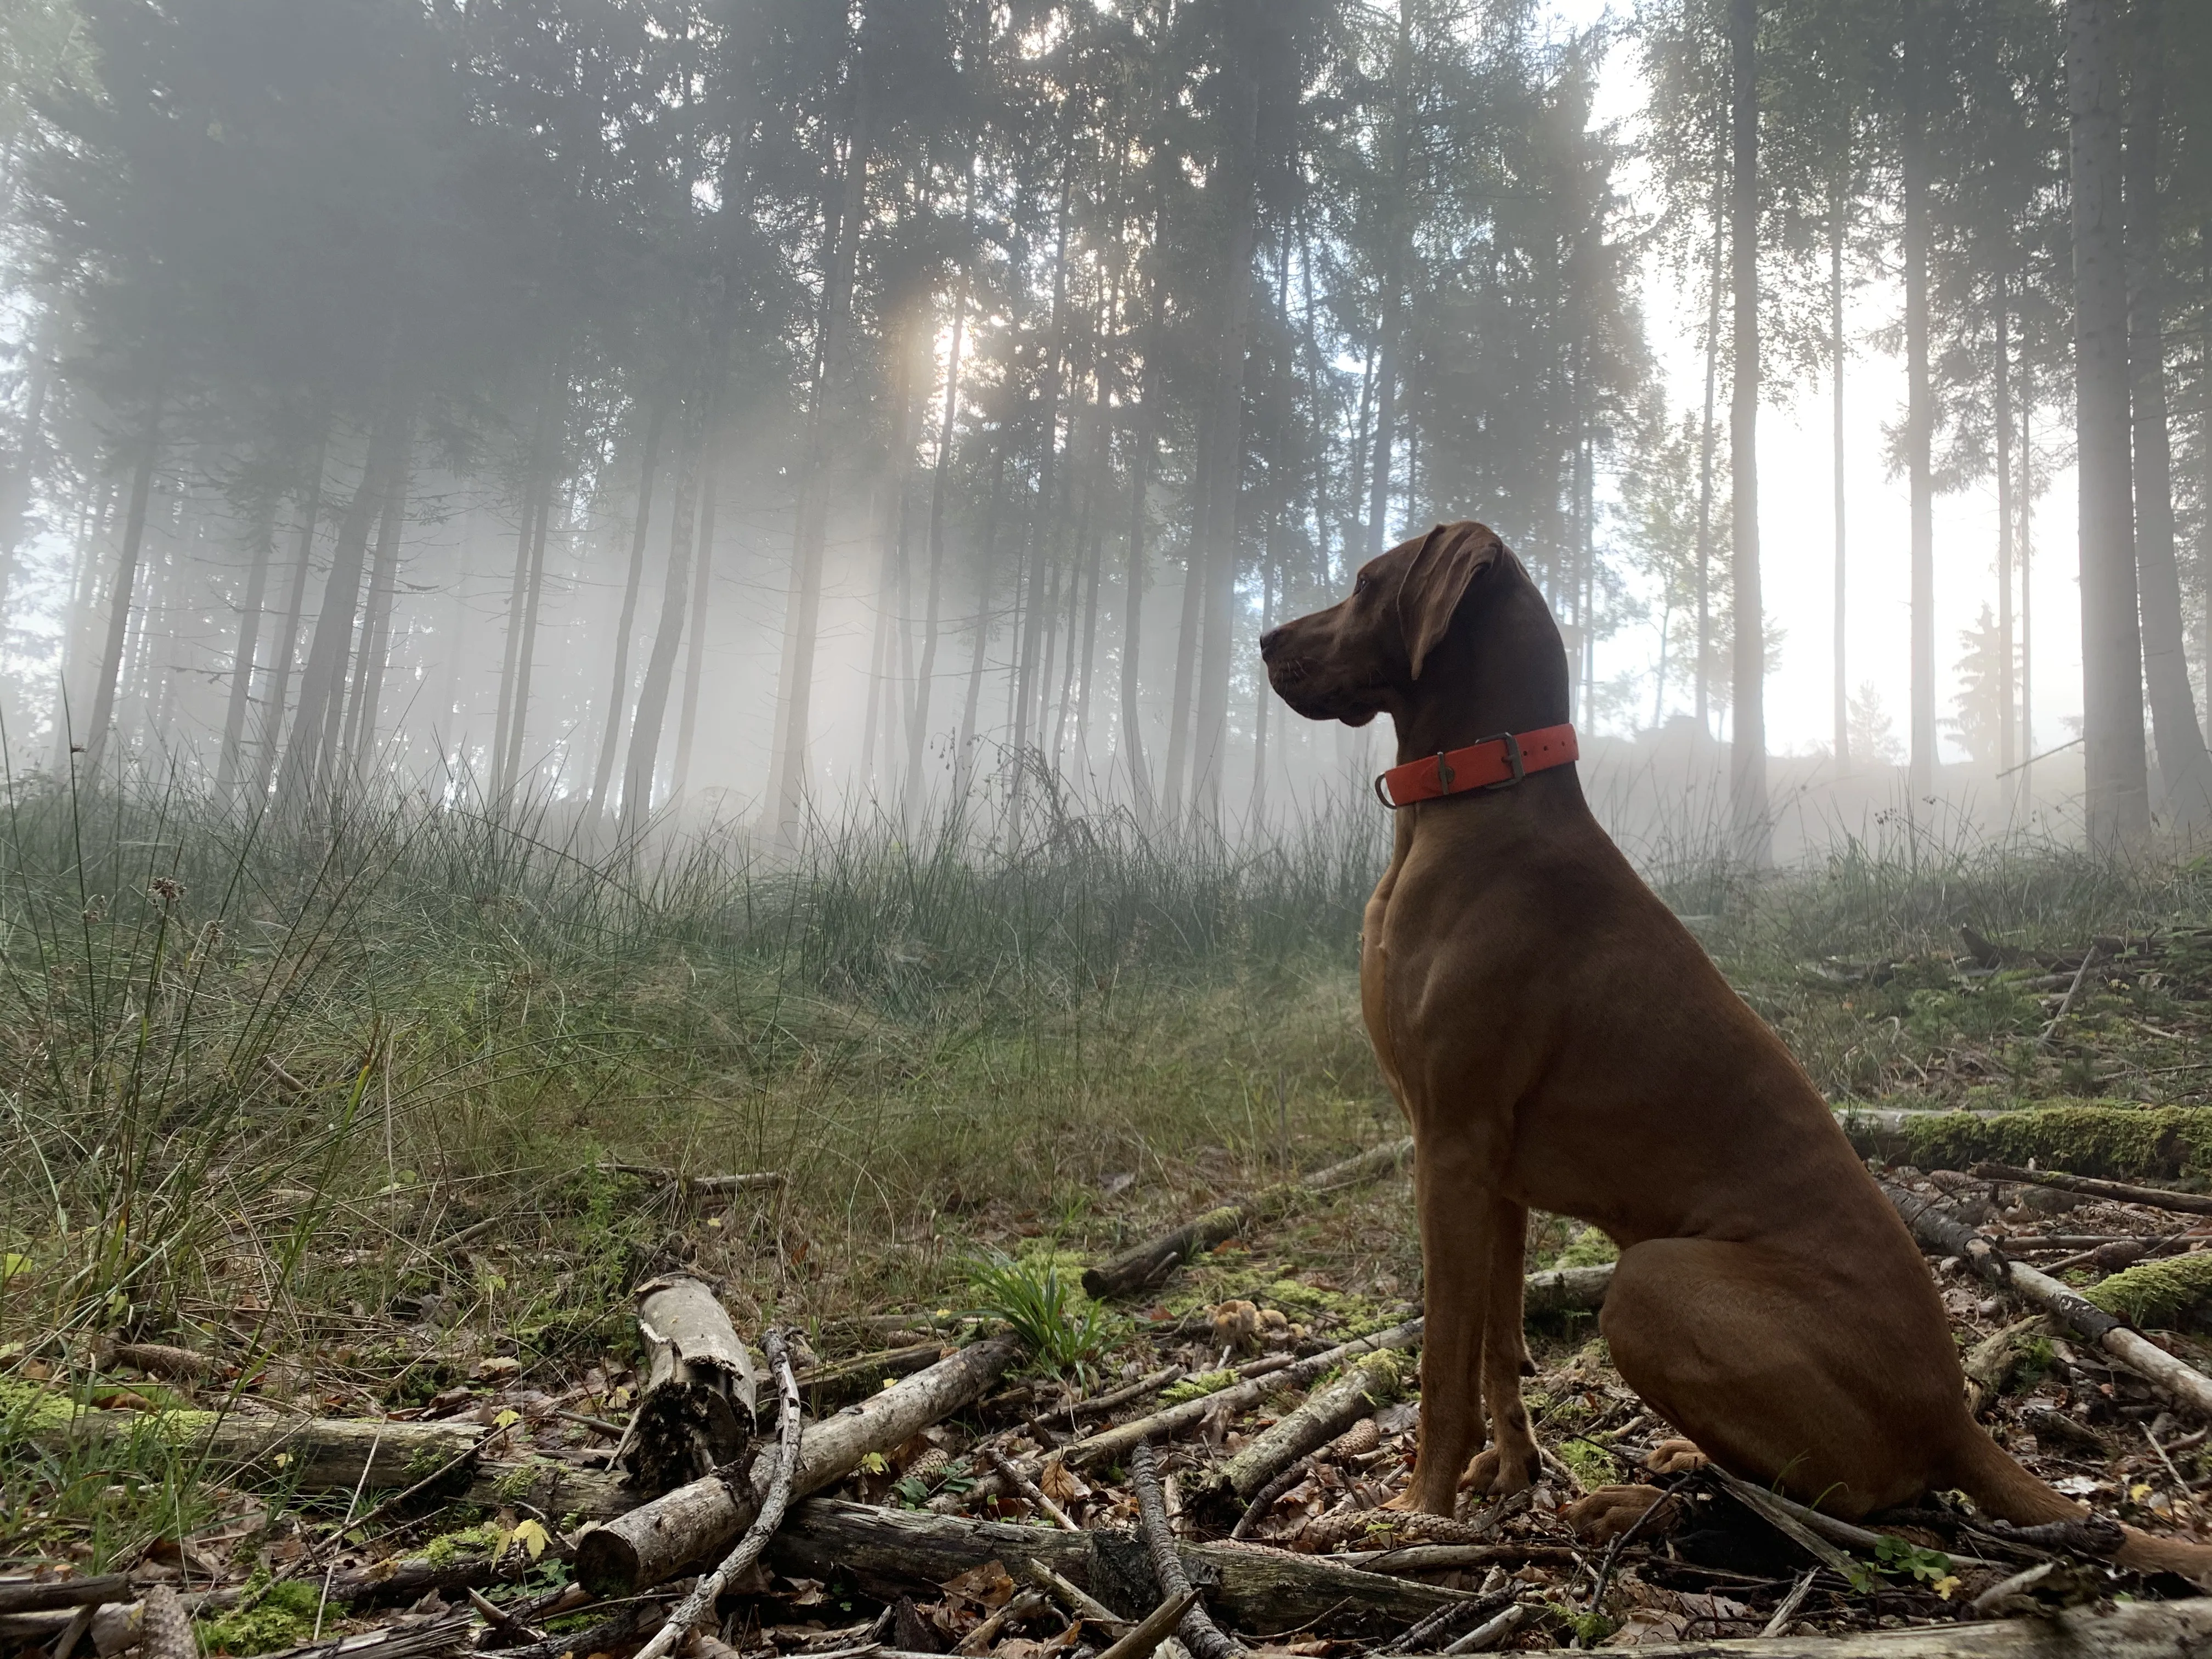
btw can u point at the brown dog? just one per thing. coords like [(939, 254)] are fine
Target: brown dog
[(1559, 1042)]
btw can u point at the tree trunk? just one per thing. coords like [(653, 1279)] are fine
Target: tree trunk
[(963, 764), (1044, 522), (517, 595), (2184, 768), (19, 482), (126, 577), (618, 692), (2008, 723), (1748, 770), (525, 656), (2118, 793), (1920, 408), (249, 641), (803, 606), (660, 665), (307, 757), (1217, 551), (917, 736), (287, 643), (376, 628), (1133, 581), (2026, 572), (694, 661), (1840, 689), (1706, 458)]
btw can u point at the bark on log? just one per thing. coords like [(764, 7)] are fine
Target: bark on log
[(1938, 1228), (1113, 1443), (1254, 1589), (847, 1380), (1157, 1257), (2127, 1629), (702, 1388), (654, 1540), (2118, 1191), (39, 1595), (1327, 1412)]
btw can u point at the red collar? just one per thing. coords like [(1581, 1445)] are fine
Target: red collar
[(1495, 763)]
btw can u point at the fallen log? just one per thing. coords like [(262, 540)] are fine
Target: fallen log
[(40, 1595), (1264, 1591), (844, 1381), (2118, 1191), (1938, 1228), (704, 1185), (1162, 1425), (699, 1379), (651, 1542), (1157, 1257), (2111, 1141), (2124, 1630), (1327, 1412)]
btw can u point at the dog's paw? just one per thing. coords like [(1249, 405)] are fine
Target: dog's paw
[(1609, 1511), (1494, 1473), (1676, 1457), (1404, 1503)]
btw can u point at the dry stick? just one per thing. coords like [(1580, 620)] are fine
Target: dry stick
[(1444, 1619), (1780, 1623), (1269, 1495), (1790, 1517), (1937, 1227), (1113, 1443), (1153, 1259), (1491, 1631), (765, 1524), (1073, 1596), (1100, 1405), (2066, 1002), (43, 1595), (1154, 1627), (1197, 1629), (1028, 1488), (2120, 1191), (1326, 1414)]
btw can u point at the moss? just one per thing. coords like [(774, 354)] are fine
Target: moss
[(27, 1409), (451, 1548), (2155, 1292), (1589, 1248), (1591, 1628), (268, 1617), (2083, 1139), (1593, 1465), (1197, 1388)]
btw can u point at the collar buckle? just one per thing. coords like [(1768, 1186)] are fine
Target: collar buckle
[(1512, 759)]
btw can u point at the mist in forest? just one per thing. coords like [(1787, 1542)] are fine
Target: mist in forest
[(754, 413)]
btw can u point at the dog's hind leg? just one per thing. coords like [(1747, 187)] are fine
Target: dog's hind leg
[(1511, 1462)]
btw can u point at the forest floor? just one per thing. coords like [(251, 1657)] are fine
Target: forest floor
[(405, 1226)]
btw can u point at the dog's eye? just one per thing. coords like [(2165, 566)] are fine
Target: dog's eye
[(1360, 586)]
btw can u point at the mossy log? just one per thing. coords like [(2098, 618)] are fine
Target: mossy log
[(1157, 1257), (1251, 1588), (340, 1454), (653, 1541), (2125, 1629), (2158, 1141)]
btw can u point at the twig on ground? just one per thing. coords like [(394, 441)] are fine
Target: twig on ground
[(1078, 1601), (1268, 1496), (1779, 1625), (2066, 1002), (1198, 1632), (2120, 1192), (1143, 1638), (1028, 1488)]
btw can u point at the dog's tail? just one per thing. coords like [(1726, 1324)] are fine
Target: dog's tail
[(1986, 1473)]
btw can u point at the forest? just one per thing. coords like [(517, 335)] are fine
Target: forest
[(652, 411), (672, 982)]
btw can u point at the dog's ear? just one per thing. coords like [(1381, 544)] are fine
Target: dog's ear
[(1450, 557)]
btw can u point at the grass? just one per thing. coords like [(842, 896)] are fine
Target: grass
[(343, 1107)]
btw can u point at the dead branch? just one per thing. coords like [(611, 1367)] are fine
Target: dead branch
[(2125, 1629), (1327, 1413), (1143, 1639), (703, 1185), (1197, 1630), (651, 1542), (1114, 1442), (1938, 1228), (699, 1379), (847, 1380), (710, 1585), (39, 1595), (2119, 1192), (1029, 1489), (1157, 1257)]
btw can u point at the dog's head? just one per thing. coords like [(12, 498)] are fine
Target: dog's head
[(1363, 656)]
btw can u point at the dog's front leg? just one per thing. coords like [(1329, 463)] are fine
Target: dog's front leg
[(1510, 1464), (1455, 1233)]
